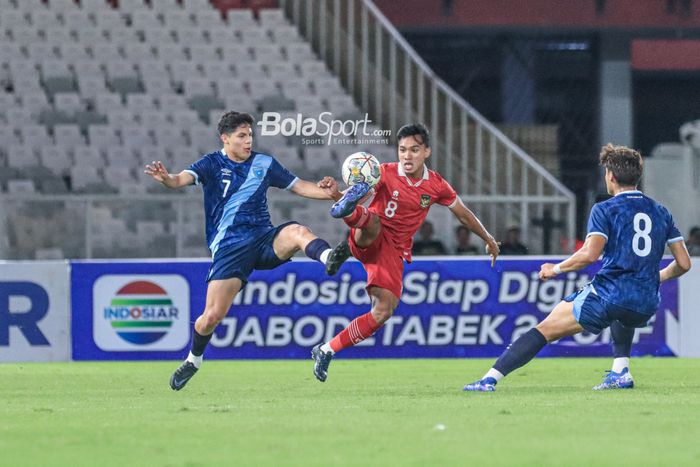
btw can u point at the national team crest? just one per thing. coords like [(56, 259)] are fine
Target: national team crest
[(424, 201), (258, 171)]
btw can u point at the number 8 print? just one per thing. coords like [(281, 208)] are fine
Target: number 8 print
[(391, 208), (641, 235)]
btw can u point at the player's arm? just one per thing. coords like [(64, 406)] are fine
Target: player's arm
[(325, 189), (468, 219), (588, 254), (680, 264), (160, 174)]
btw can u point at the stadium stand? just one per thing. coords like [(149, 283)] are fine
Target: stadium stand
[(90, 92)]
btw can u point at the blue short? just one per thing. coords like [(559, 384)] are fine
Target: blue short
[(595, 314), (241, 258)]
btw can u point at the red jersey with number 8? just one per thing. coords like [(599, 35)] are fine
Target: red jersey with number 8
[(402, 202)]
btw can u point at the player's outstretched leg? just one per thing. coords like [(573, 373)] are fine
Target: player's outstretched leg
[(338, 255), (559, 323), (322, 361), (346, 205), (384, 303)]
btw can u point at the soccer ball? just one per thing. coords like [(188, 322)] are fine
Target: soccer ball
[(361, 167)]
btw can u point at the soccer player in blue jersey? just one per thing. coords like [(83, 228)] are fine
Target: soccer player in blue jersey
[(239, 233), (631, 230)]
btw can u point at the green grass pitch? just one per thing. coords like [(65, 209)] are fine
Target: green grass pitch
[(369, 412)]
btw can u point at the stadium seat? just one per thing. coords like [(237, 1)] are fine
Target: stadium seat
[(94, 6), (171, 104), (170, 52), (286, 35), (67, 136), (281, 71), (167, 135), (252, 37), (76, 20), (106, 103), (73, 52), (108, 19), (115, 175), (55, 159), (120, 156), (185, 118), (201, 53), (163, 6), (189, 35), (8, 137), (62, 6), (226, 86), (42, 19), (21, 156), (221, 36), (84, 177), (20, 186), (121, 118), (241, 17), (91, 87), (207, 18), (68, 102), (87, 156), (272, 17), (177, 18), (158, 36), (102, 136), (136, 138), (197, 87), (85, 118), (140, 102), (152, 118), (19, 116), (58, 35)]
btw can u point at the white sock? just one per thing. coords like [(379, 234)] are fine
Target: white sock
[(493, 373), (620, 364), (324, 256), (327, 348), (195, 360)]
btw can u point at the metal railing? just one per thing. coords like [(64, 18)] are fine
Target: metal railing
[(394, 85)]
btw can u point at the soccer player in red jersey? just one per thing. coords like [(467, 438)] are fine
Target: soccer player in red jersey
[(381, 236)]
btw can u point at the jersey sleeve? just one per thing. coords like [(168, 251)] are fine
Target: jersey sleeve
[(598, 222), (447, 195), (673, 235), (280, 177), (201, 170)]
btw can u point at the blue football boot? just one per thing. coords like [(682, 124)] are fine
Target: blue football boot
[(347, 204), (621, 380), (483, 385)]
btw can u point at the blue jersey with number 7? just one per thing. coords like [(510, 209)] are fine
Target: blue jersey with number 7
[(637, 230)]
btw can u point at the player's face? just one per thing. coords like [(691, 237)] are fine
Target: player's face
[(239, 143), (412, 156)]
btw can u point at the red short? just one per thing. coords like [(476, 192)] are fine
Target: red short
[(382, 261)]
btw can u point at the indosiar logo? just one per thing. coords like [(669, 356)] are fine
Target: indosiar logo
[(137, 313)]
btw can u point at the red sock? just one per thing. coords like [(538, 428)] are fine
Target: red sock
[(358, 330), (359, 219)]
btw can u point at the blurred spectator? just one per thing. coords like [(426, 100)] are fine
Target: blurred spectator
[(693, 242), (512, 244), (464, 247), (427, 245)]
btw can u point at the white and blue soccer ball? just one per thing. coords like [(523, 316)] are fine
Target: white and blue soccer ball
[(361, 167)]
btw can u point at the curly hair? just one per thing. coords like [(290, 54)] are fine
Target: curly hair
[(232, 120), (625, 164)]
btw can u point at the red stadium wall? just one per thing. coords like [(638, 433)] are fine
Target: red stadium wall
[(556, 13)]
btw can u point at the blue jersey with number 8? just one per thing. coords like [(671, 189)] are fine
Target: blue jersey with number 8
[(637, 230)]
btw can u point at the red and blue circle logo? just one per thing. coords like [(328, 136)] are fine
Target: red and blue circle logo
[(141, 312)]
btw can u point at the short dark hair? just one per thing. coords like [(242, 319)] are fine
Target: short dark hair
[(415, 129), (694, 231), (625, 164), (232, 120)]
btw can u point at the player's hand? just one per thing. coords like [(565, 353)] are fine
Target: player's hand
[(547, 271), (157, 170), (330, 187), (493, 248)]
